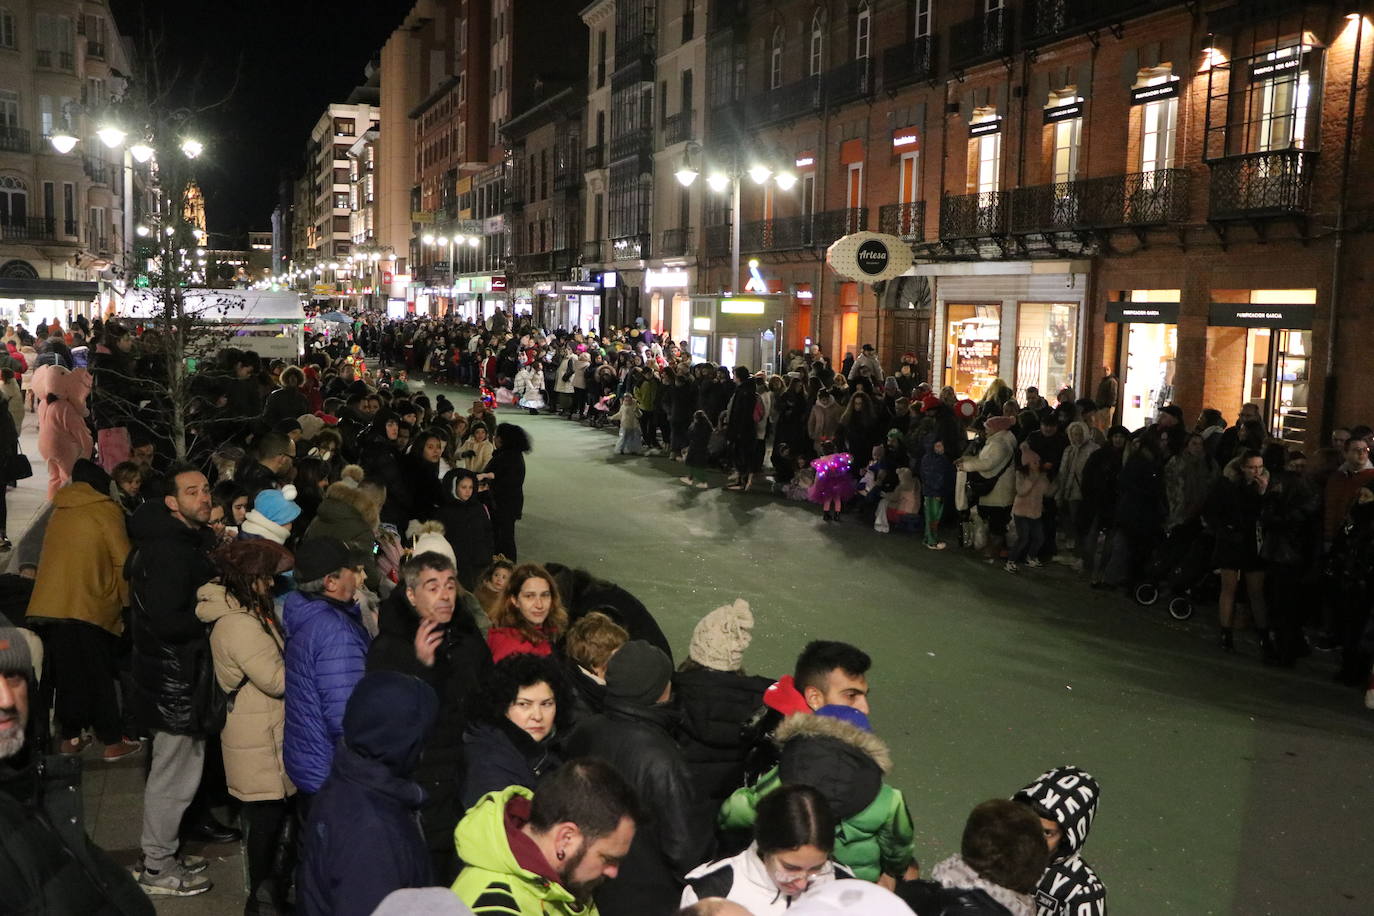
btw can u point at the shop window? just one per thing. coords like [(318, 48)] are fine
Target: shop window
[(1046, 340), (1253, 358), (973, 348)]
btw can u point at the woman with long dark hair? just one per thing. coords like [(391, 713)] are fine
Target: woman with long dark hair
[(514, 736), (531, 619), (505, 478)]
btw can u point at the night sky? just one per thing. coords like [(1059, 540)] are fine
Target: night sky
[(297, 57)]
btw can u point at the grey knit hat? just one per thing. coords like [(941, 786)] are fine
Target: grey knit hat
[(14, 651), (638, 672)]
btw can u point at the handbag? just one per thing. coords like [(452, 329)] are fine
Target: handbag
[(17, 467), (211, 703), (980, 484)]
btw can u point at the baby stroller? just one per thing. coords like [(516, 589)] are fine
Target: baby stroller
[(1180, 571), (602, 410)]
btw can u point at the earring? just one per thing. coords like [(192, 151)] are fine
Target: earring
[(560, 855)]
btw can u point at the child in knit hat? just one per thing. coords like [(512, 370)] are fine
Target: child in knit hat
[(272, 514)]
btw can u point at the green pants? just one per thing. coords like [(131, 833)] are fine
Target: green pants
[(934, 508)]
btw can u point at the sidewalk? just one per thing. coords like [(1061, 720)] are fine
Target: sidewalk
[(113, 792)]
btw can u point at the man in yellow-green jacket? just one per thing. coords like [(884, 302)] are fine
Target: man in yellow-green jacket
[(834, 752), (530, 854)]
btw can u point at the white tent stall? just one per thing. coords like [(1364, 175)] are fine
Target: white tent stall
[(268, 323)]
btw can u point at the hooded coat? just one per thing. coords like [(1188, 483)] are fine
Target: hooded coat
[(362, 841), (248, 652), (461, 664), (352, 516), (955, 889), (845, 764), (493, 878), (169, 563), (81, 570), (715, 707), (1070, 887), (997, 458), (326, 651), (467, 528), (637, 741)]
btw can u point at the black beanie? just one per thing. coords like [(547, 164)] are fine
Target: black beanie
[(638, 672)]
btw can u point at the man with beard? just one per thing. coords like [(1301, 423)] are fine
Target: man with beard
[(47, 863), (546, 852)]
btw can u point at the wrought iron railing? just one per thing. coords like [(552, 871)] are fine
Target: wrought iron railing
[(980, 38), (675, 242), (14, 139), (630, 248), (909, 62), (906, 221), (28, 228), (534, 262), (595, 157), (965, 216), (1262, 184), (789, 232), (96, 169), (849, 81), (718, 241), (677, 128), (1137, 199), (95, 241), (632, 142), (591, 252), (642, 45), (785, 103), (829, 225)]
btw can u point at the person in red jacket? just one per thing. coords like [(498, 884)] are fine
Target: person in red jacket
[(531, 618)]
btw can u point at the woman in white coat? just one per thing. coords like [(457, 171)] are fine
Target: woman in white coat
[(790, 856), (529, 387), (995, 460)]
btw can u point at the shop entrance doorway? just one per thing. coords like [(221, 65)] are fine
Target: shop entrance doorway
[(1151, 356)]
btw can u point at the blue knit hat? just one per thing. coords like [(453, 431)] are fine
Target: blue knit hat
[(848, 714), (277, 506)]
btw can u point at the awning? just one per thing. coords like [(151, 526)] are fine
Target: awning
[(71, 290)]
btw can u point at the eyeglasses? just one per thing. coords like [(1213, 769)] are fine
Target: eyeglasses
[(786, 875)]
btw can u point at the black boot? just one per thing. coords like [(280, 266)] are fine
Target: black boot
[(1269, 653), (1227, 643)]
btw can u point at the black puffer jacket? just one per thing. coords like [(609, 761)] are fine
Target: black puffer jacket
[(467, 527), (715, 706), (581, 593), (460, 666), (501, 754), (168, 564), (637, 741)]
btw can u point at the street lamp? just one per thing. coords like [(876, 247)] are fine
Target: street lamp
[(63, 141), (111, 135)]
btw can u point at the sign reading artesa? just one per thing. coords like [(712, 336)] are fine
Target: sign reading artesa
[(869, 257)]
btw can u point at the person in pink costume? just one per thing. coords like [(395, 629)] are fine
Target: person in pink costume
[(63, 435), (834, 484)]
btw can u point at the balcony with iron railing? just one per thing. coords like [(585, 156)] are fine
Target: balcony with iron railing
[(28, 228), (906, 221), (543, 262), (785, 233), (97, 170), (593, 252), (717, 241), (675, 243), (981, 38), (595, 158), (96, 242), (1256, 185), (1046, 20), (632, 47), (630, 247), (849, 81), (14, 140), (677, 128), (1138, 199), (964, 216), (829, 226), (632, 143), (785, 103), (909, 62)]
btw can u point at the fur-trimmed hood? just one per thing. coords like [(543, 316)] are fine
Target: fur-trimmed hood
[(841, 761), (356, 499), (804, 725), (955, 873)]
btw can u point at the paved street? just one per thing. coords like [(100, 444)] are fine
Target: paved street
[(1227, 787)]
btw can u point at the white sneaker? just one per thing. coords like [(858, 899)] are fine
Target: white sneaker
[(173, 882), (703, 485), (1033, 563), (1010, 567), (686, 480)]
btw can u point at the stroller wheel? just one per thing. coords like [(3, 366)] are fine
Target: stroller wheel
[(1146, 593), (1181, 608)]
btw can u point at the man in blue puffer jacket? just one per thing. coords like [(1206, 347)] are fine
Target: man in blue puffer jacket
[(326, 655)]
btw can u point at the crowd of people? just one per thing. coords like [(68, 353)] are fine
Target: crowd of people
[(310, 613)]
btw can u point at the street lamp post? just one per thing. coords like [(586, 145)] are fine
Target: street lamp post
[(730, 177)]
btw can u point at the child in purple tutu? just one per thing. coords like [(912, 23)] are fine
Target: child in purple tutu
[(834, 483)]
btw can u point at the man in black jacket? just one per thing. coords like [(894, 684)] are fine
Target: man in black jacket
[(426, 633), (634, 735), (47, 863), (169, 563)]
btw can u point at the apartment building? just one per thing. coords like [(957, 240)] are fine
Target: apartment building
[(66, 220), (1162, 189)]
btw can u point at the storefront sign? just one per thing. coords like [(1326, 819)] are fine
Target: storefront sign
[(1140, 95), (665, 279), (421, 216), (1063, 112), (741, 306), (806, 160), (1290, 316), (869, 257), (585, 289), (983, 128), (1274, 69), (1142, 312), (498, 284), (906, 138)]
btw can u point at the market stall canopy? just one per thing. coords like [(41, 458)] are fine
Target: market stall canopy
[(238, 306), (335, 318)]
